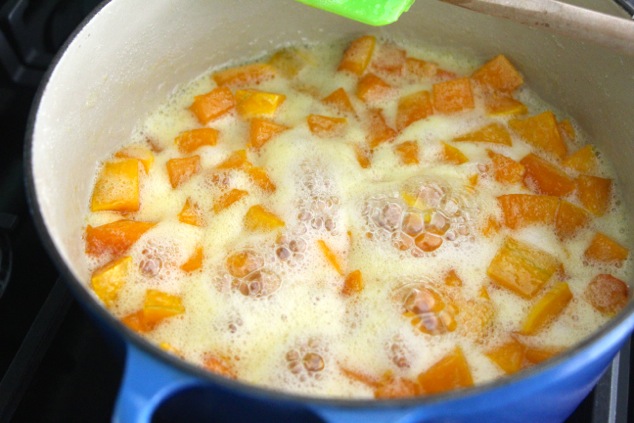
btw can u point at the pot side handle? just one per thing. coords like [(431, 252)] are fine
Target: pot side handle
[(146, 383)]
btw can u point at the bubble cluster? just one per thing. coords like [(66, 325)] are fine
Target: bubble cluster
[(290, 249), (319, 206), (425, 215), (249, 275), (428, 310), (156, 259), (307, 360)]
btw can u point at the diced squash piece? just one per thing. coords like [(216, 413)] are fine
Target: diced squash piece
[(451, 154), (358, 55), (453, 96), (583, 160), (290, 61), (408, 152), (372, 88), (181, 170), (547, 308), (326, 126), (494, 133), (379, 131), (159, 305), (191, 214), (595, 193), (137, 323), (141, 153), (566, 130), (522, 268), (340, 101), (353, 284), (260, 219), (607, 294), (541, 131), (390, 386), (363, 156), (114, 238), (253, 103), (476, 317), (509, 356), (449, 373), (262, 130), (227, 199), (192, 140), (604, 249), (213, 104), (117, 187), (252, 74), (108, 280), (545, 178), (388, 58), (491, 227), (237, 160), (520, 210), (219, 365), (330, 256), (505, 169), (261, 179), (499, 74), (498, 104), (195, 261), (570, 219), (413, 107), (535, 355), (452, 278), (420, 68)]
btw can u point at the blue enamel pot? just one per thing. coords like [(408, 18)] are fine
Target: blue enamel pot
[(125, 60)]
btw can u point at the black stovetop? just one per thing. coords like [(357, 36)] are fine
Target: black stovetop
[(55, 365)]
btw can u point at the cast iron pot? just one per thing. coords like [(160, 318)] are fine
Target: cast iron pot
[(131, 54)]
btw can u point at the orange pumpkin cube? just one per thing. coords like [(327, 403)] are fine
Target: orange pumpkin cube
[(326, 126), (499, 104), (607, 294), (181, 170), (570, 219), (499, 74), (262, 130), (213, 104), (229, 198), (420, 69), (339, 101), (522, 268), (108, 280), (451, 154), (547, 308), (509, 356), (141, 153), (541, 131), (566, 130), (261, 179), (505, 169), (536, 355), (543, 177), (413, 107), (252, 74), (452, 278), (237, 160), (290, 61), (379, 131), (595, 193), (494, 133), (453, 96), (191, 214), (192, 140), (358, 54), (159, 305), (408, 152), (372, 88), (195, 261), (583, 160), (363, 156), (520, 210), (219, 365), (604, 249), (253, 103), (389, 59), (353, 284), (390, 386), (114, 238), (117, 187), (449, 373), (260, 219), (330, 256), (136, 322)]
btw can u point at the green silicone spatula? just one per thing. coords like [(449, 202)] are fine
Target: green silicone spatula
[(577, 22)]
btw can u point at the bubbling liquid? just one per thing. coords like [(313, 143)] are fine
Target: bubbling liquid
[(331, 240)]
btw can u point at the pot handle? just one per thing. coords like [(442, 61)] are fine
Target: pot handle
[(146, 383)]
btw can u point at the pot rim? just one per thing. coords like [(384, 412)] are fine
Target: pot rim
[(624, 320)]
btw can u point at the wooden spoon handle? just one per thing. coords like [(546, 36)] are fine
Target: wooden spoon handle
[(582, 24)]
